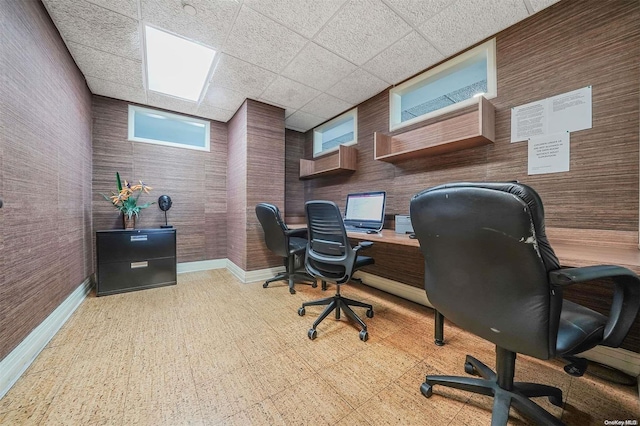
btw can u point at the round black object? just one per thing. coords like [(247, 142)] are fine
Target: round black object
[(164, 202)]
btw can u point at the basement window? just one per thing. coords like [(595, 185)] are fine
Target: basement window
[(164, 128), (450, 86), (342, 130)]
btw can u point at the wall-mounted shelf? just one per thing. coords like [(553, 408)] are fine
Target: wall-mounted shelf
[(342, 160), (468, 130)]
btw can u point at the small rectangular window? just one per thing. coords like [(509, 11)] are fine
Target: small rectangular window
[(163, 128), (342, 130), (447, 87)]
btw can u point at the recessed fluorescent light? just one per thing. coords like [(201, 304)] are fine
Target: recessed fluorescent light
[(176, 66)]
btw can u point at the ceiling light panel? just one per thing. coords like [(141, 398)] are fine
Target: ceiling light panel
[(176, 66)]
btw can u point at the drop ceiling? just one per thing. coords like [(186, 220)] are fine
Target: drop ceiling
[(313, 58)]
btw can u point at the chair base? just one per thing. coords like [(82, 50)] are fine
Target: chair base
[(338, 304), (510, 393), (292, 279)]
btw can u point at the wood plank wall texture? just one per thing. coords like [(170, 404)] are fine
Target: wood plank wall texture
[(195, 180), (565, 47), (45, 172)]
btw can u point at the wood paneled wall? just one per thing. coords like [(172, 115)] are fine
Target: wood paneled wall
[(265, 176), (294, 195), (195, 180), (45, 171), (237, 188), (562, 48)]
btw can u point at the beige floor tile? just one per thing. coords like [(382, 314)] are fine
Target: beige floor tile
[(280, 371), (263, 413), (26, 415), (354, 419)]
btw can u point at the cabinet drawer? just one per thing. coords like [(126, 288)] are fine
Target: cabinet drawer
[(120, 246), (127, 276)]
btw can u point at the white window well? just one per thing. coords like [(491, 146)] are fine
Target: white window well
[(176, 66), (449, 86), (342, 130), (163, 128)]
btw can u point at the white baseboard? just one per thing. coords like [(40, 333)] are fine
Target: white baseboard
[(405, 291), (202, 265), (252, 276), (18, 360)]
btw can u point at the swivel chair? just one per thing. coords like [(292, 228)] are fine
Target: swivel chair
[(284, 242), (490, 269), (330, 257)]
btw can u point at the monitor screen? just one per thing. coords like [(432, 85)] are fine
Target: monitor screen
[(365, 207)]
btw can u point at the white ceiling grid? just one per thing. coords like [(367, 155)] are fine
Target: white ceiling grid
[(314, 58)]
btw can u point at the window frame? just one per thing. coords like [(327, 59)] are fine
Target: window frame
[(318, 131), (396, 93), (171, 116)]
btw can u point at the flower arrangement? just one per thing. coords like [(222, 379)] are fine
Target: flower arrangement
[(126, 199)]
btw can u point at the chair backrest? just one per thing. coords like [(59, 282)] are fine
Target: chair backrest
[(273, 227), (487, 260), (329, 253)]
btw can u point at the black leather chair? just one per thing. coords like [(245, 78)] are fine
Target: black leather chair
[(330, 257), (490, 269), (287, 243)]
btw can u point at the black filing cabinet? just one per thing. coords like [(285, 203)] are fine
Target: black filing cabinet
[(135, 259)]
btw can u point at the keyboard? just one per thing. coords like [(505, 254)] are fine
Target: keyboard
[(357, 229)]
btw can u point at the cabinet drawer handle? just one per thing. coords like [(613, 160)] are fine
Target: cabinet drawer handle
[(135, 265), (138, 238)]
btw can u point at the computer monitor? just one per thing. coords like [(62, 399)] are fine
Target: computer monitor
[(365, 210)]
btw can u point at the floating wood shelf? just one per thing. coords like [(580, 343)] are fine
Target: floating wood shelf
[(474, 128), (342, 160)]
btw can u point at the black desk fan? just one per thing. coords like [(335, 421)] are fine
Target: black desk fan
[(164, 202)]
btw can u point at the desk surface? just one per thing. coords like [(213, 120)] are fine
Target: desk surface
[(569, 253)]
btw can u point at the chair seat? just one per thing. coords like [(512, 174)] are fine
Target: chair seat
[(297, 245), (580, 329)]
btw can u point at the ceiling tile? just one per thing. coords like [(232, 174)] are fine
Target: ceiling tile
[(361, 30), (538, 5), (302, 121), (234, 73), (418, 11), (125, 7), (93, 26), (467, 22), (406, 57), (358, 87), (316, 67), (209, 26), (105, 66), (170, 103), (261, 41), (223, 98), (305, 17), (288, 93), (116, 91), (214, 113), (326, 106)]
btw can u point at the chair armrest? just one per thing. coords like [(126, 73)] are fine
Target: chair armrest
[(363, 246), (300, 232), (626, 296)]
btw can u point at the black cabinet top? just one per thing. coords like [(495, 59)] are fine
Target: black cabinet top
[(136, 231)]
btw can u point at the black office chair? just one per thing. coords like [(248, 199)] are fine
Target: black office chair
[(330, 257), (490, 269), (287, 243)]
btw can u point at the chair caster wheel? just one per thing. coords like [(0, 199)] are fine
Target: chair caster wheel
[(324, 286), (574, 370), (426, 390), (555, 401), (314, 285), (439, 342), (369, 313), (292, 291), (301, 312), (364, 336), (265, 285), (470, 369), (312, 334)]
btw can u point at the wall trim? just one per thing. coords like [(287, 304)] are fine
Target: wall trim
[(19, 359), (405, 291), (252, 276), (202, 265)]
